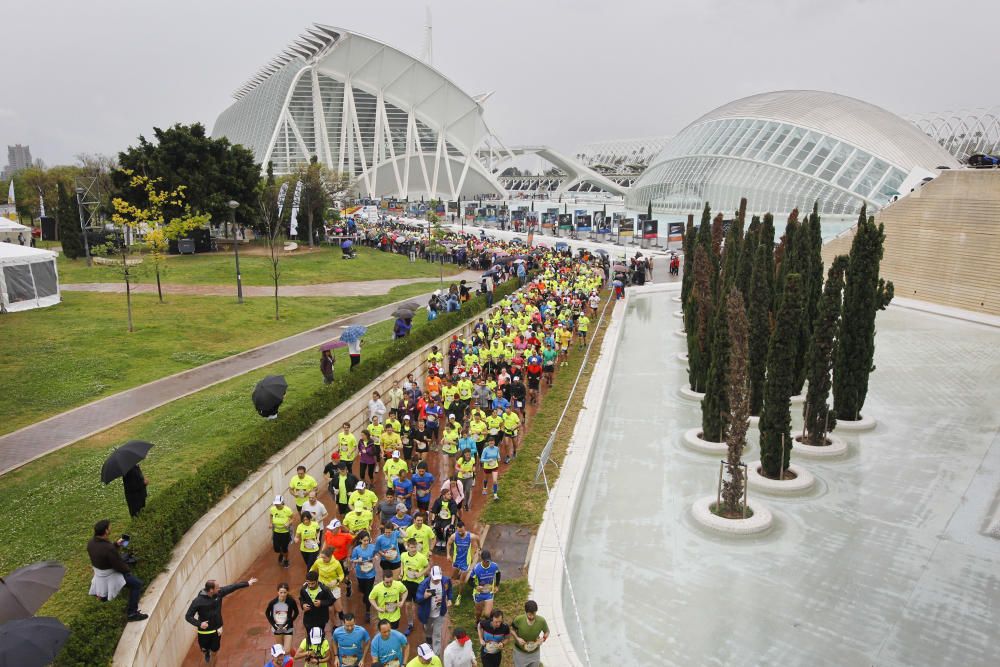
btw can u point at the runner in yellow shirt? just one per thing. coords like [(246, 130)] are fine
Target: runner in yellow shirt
[(347, 445), (582, 325), (280, 520), (415, 566), (300, 485), (421, 532), (388, 597)]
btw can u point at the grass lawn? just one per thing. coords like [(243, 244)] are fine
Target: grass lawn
[(63, 489), (524, 501), (322, 265), (58, 358)]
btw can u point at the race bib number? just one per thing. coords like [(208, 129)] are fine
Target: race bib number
[(423, 492), (519, 404), (335, 589), (530, 646), (367, 566), (390, 554), (348, 660), (492, 647), (485, 588), (412, 574), (392, 663), (391, 607), (310, 545), (494, 431), (280, 618)]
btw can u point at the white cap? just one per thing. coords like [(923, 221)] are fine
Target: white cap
[(395, 455), (436, 573), (405, 417), (424, 651), (451, 416), (316, 636), (334, 525), (277, 650), (278, 500), (360, 486)]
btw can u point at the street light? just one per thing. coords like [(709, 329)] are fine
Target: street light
[(83, 226), (233, 205)]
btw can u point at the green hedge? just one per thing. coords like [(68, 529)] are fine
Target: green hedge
[(95, 631)]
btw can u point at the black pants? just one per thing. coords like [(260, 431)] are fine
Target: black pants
[(366, 586), (135, 501), (367, 469), (355, 360), (309, 557)]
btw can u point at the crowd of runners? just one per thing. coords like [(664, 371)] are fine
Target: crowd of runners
[(385, 532)]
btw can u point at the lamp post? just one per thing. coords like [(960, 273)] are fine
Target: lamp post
[(83, 226), (233, 205)]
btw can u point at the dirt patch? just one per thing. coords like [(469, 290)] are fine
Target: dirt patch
[(826, 442), (728, 514), (787, 476)]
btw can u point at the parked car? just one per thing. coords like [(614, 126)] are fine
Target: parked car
[(982, 161)]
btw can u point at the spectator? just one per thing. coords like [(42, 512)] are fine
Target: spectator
[(111, 574)]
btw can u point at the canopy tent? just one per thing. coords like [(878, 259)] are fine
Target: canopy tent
[(10, 229), (28, 278)]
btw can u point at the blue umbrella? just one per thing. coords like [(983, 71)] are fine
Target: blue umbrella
[(353, 333)]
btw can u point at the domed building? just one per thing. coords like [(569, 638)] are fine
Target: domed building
[(787, 149)]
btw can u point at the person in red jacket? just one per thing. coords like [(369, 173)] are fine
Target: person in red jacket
[(340, 539)]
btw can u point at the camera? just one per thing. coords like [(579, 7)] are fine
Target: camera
[(125, 539)]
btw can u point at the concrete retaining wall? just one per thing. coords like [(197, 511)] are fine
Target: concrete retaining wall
[(227, 540)]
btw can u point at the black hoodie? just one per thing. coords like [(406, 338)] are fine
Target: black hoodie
[(209, 607)]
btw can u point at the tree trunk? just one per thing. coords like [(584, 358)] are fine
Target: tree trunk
[(159, 288), (309, 220), (128, 301), (276, 300)]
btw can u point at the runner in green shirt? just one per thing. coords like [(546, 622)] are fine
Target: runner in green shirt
[(529, 631)]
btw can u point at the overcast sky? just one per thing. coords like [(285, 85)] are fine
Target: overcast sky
[(91, 76)]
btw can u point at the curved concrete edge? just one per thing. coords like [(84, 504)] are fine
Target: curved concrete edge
[(866, 423), (679, 314), (546, 573), (798, 399), (652, 288), (675, 299), (837, 447), (226, 541), (692, 438), (804, 480), (683, 356), (680, 333), (761, 520), (690, 394)]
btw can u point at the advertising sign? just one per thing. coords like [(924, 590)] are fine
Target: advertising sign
[(600, 223), (453, 207), (583, 223), (470, 212), (565, 221), (626, 227), (650, 228), (491, 214), (675, 232), (531, 218), (519, 214)]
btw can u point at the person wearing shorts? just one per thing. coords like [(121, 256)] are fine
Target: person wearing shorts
[(486, 579), (280, 520), (415, 568), (388, 547), (494, 634), (460, 549)]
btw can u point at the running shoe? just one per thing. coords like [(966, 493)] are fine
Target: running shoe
[(496, 497)]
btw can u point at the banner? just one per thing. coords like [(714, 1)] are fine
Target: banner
[(600, 222), (470, 212), (675, 232), (650, 229), (293, 227), (583, 223), (491, 214), (518, 214), (282, 193), (453, 207), (626, 227), (531, 237), (565, 221), (531, 219)]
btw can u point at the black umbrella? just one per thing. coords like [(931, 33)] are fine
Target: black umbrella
[(124, 459), (26, 589), (410, 305), (403, 313), (269, 394), (31, 641), (602, 252), (491, 272)]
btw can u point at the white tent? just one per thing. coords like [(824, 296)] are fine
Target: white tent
[(28, 278), (10, 229)]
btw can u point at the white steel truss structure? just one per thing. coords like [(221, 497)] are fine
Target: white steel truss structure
[(362, 107), (963, 133)]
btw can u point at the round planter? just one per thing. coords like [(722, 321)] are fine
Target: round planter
[(803, 481), (683, 356), (693, 440), (761, 520), (837, 447), (687, 392), (681, 333), (864, 424), (798, 399), (675, 299), (679, 314)]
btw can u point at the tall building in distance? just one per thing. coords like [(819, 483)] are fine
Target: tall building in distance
[(18, 158)]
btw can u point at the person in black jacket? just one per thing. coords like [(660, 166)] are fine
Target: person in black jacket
[(135, 490), (316, 600), (281, 613), (205, 613), (337, 472), (104, 556)]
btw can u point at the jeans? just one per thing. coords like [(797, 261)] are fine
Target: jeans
[(134, 585)]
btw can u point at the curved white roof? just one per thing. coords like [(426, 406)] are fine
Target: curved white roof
[(866, 126)]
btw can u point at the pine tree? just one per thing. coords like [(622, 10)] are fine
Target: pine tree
[(688, 244), (715, 406), (69, 224), (731, 252), (701, 308), (817, 421), (784, 257), (748, 252), (776, 417), (864, 295), (809, 264), (718, 234), (738, 399), (759, 314)]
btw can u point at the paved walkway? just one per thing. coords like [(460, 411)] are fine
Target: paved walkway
[(358, 288), (31, 442)]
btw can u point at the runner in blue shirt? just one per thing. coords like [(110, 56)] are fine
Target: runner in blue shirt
[(486, 579), (401, 519), (363, 557), (422, 483), (500, 402), (466, 441), (389, 645), (387, 545), (460, 550), (351, 641), (403, 486), (490, 461)]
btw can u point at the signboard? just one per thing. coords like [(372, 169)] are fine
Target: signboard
[(531, 219), (470, 212), (453, 207), (626, 227), (518, 214), (491, 214), (601, 223), (650, 228), (583, 223), (565, 221), (675, 232), (531, 237)]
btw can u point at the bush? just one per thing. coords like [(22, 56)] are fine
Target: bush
[(95, 631)]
